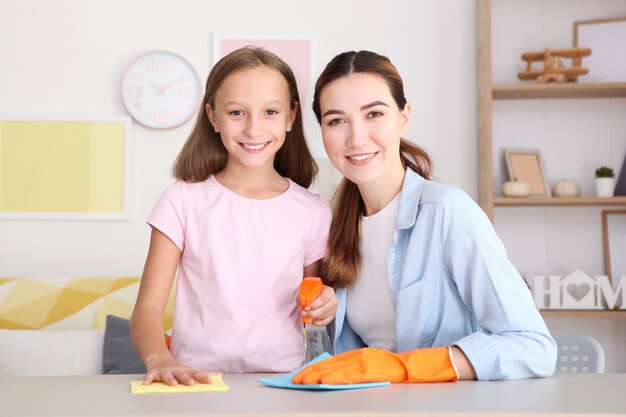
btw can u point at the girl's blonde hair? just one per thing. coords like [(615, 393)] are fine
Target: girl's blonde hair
[(204, 153), (340, 267)]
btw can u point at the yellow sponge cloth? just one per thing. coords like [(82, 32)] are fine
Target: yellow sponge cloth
[(218, 384)]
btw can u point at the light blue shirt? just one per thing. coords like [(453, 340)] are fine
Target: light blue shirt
[(452, 283)]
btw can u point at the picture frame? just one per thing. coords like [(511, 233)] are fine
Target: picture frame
[(65, 168), (614, 237), (607, 62), (527, 165), (298, 50)]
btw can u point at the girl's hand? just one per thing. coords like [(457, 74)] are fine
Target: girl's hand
[(323, 307), (170, 372)]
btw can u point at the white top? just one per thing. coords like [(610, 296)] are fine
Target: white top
[(369, 308), (240, 271)]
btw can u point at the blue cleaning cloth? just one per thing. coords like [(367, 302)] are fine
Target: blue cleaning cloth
[(284, 381)]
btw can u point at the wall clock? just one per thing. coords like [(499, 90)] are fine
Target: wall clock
[(161, 90)]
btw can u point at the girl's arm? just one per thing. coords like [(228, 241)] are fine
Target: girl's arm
[(146, 322), (323, 307)]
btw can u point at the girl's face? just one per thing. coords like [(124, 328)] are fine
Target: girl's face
[(252, 116), (362, 127)]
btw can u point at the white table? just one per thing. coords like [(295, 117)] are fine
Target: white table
[(109, 395)]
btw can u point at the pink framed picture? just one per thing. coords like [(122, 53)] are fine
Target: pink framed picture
[(297, 50), (527, 165)]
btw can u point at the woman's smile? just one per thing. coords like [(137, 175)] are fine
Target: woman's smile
[(361, 159)]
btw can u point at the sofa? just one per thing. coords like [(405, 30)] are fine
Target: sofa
[(69, 325)]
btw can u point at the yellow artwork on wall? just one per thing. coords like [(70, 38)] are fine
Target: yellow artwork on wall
[(56, 169)]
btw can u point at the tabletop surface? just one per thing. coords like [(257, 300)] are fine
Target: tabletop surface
[(109, 395)]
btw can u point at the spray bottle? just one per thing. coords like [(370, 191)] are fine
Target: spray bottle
[(316, 340)]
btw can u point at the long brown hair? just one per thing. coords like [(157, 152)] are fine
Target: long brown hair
[(340, 267), (204, 153)]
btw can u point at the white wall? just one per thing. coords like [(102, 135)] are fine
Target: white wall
[(65, 58)]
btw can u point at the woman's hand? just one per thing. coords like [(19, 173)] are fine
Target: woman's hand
[(170, 372), (323, 307), (377, 365)]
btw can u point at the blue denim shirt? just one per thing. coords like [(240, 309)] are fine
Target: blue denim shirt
[(452, 283)]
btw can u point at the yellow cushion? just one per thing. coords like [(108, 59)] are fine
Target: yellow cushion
[(69, 303)]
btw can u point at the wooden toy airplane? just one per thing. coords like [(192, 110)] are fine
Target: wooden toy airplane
[(553, 67)]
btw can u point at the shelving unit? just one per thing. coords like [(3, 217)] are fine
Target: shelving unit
[(597, 314), (559, 201), (488, 92)]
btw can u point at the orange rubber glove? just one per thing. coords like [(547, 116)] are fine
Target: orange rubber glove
[(379, 365)]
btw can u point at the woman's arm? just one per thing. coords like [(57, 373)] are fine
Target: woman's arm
[(463, 365), (513, 341)]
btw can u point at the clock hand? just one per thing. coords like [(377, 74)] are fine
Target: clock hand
[(159, 88), (165, 87)]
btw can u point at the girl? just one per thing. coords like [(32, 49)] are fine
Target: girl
[(422, 279), (242, 230)]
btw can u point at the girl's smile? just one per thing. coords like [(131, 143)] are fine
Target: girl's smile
[(254, 148)]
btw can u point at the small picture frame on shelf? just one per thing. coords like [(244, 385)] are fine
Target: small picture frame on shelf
[(527, 165), (614, 234), (607, 62)]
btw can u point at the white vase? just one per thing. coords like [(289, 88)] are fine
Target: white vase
[(605, 186)]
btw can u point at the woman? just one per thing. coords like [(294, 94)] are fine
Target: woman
[(416, 265)]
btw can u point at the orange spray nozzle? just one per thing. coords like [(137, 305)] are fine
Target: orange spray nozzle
[(309, 288)]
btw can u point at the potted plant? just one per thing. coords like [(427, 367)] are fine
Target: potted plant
[(605, 182)]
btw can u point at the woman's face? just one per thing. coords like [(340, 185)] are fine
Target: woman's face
[(362, 127)]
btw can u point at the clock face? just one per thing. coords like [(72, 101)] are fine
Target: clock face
[(161, 90)]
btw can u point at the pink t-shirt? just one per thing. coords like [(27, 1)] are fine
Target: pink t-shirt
[(240, 271)]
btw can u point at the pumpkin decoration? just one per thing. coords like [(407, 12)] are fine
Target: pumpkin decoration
[(516, 189), (566, 188)]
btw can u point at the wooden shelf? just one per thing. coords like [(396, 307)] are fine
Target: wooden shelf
[(552, 90), (593, 314), (487, 92), (559, 201)]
